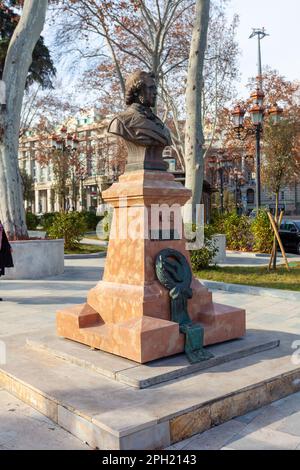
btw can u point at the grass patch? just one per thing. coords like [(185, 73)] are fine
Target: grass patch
[(91, 236), (255, 276), (85, 250)]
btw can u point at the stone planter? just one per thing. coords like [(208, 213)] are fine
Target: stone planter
[(220, 243), (36, 259)]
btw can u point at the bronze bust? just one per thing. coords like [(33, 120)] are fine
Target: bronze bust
[(145, 134)]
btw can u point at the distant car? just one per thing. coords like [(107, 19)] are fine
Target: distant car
[(290, 235)]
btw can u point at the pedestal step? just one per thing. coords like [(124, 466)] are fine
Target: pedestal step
[(110, 415), (146, 338)]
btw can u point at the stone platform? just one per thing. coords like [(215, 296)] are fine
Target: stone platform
[(112, 415), (108, 414), (155, 372)]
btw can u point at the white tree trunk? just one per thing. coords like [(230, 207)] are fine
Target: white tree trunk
[(17, 63), (194, 139)]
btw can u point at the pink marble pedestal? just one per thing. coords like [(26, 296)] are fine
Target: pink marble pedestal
[(128, 312)]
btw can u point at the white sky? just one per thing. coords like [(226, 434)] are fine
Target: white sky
[(280, 50)]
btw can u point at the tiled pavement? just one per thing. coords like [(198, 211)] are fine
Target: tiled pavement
[(31, 305), (23, 428)]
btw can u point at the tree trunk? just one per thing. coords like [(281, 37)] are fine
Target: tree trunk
[(194, 138), (17, 63)]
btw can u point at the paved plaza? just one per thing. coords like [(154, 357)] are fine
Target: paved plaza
[(30, 306)]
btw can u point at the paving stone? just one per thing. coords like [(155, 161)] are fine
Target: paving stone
[(264, 439), (289, 404), (249, 443), (291, 425), (23, 428), (248, 417)]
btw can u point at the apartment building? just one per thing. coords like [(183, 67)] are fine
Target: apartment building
[(97, 151)]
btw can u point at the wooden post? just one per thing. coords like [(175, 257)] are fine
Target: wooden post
[(279, 240), (274, 244)]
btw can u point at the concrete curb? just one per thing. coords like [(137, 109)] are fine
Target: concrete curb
[(252, 290)]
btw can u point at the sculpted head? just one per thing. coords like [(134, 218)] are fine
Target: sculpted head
[(140, 87)]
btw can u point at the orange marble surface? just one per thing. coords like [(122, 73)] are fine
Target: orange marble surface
[(128, 312)]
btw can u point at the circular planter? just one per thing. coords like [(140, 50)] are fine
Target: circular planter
[(36, 259)]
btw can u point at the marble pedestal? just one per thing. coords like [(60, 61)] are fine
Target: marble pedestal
[(128, 312)]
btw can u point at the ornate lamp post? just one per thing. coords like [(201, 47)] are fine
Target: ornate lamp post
[(238, 180), (218, 166), (220, 169), (65, 143), (257, 114)]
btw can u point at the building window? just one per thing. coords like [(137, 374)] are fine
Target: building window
[(250, 196), (282, 195)]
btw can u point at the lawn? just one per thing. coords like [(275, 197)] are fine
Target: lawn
[(255, 276), (92, 236), (85, 249)]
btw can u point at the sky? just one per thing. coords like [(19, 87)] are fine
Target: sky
[(280, 50)]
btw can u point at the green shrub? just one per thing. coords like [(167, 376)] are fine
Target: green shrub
[(91, 220), (71, 226), (262, 233), (237, 229), (32, 221), (47, 220), (203, 258)]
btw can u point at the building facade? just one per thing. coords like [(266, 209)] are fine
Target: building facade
[(97, 155), (234, 177), (103, 161)]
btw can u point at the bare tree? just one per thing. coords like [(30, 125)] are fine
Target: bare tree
[(17, 63), (119, 37), (194, 138), (116, 37)]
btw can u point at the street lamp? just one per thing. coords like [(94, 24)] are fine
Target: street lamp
[(65, 142), (256, 113), (219, 165), (238, 115), (239, 180), (275, 113), (220, 169)]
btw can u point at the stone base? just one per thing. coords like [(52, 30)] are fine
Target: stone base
[(146, 338), (156, 372), (128, 312), (108, 414)]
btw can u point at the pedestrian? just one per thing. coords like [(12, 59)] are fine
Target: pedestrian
[(6, 260)]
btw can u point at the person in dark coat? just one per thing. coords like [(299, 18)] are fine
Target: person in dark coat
[(6, 260)]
